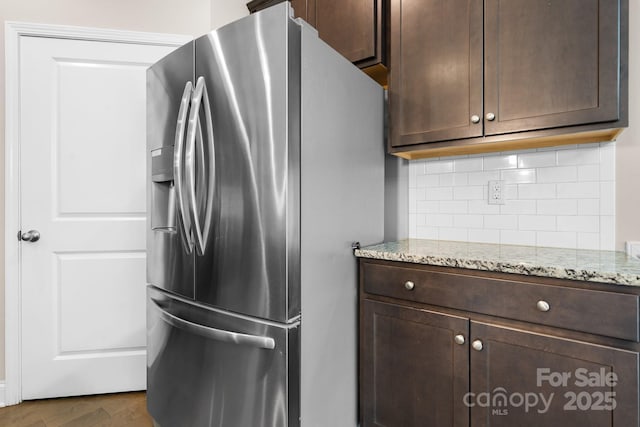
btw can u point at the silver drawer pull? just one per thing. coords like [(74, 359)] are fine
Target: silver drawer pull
[(409, 285), (459, 339), (477, 345), (267, 343), (543, 306)]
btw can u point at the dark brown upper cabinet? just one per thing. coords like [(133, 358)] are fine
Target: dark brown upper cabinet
[(357, 29), (471, 76)]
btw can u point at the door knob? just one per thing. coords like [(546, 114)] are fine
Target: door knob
[(29, 236)]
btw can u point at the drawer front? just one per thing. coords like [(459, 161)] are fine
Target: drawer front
[(598, 312)]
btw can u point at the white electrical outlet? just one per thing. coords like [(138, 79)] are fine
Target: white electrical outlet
[(496, 193), (633, 249)]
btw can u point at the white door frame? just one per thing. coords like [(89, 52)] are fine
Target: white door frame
[(12, 279)]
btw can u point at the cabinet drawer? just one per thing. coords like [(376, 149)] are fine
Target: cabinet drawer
[(599, 312)]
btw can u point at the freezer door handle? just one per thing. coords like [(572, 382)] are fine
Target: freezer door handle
[(200, 98), (267, 343), (178, 165)]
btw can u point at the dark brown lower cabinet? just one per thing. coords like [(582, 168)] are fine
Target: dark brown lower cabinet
[(525, 379), (425, 365), (413, 373)]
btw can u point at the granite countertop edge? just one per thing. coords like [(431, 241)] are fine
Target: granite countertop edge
[(616, 269)]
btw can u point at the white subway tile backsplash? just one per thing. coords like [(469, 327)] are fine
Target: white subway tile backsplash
[(558, 174), (585, 224), (439, 220), (608, 232), (439, 166), (439, 193), (537, 222), (607, 198), (536, 191), (427, 206), (510, 192), (470, 192), (482, 178), (454, 206), (607, 161), (457, 234), (501, 222), (468, 221), (589, 173), (556, 239), (472, 164), (511, 237), (589, 241), (480, 207), (537, 159), (560, 196), (460, 179), (580, 156), (518, 207), (484, 236), (427, 181), (427, 233), (501, 162), (445, 180), (578, 190), (557, 207), (589, 207), (521, 176)]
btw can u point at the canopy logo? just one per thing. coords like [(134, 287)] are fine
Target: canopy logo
[(500, 401)]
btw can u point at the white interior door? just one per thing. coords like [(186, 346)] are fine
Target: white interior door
[(82, 187)]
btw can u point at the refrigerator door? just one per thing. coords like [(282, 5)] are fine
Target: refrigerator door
[(251, 71), (208, 368), (170, 259)]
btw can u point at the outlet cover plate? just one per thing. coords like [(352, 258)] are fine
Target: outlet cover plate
[(496, 193)]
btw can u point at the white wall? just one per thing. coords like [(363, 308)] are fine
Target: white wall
[(628, 145), (225, 11), (192, 17)]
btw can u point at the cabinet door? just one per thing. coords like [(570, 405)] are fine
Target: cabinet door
[(436, 70), (550, 63), (525, 379), (412, 371), (350, 27)]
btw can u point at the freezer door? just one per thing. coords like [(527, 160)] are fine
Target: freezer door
[(251, 73), (212, 369), (170, 259)]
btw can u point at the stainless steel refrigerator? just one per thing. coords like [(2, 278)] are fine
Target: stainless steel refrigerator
[(265, 163)]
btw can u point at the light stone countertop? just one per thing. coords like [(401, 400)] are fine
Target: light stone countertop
[(575, 264)]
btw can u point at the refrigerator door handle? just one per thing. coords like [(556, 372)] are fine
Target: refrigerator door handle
[(267, 343), (178, 165), (200, 98)]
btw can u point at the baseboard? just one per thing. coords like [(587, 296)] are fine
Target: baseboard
[(3, 401)]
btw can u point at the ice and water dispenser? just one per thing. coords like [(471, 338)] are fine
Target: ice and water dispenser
[(163, 211)]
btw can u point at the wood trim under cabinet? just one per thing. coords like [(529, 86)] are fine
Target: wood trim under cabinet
[(523, 141)]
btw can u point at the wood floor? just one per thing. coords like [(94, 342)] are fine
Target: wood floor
[(115, 410)]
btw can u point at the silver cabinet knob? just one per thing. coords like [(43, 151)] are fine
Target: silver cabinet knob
[(459, 339), (543, 305), (477, 345), (475, 119), (409, 285), (30, 236), (491, 117)]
